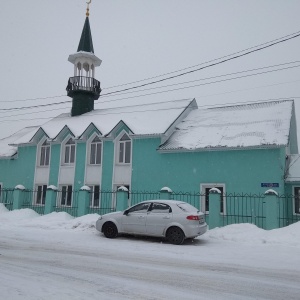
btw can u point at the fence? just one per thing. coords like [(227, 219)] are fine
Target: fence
[(229, 208), (7, 198), (67, 201), (30, 200), (101, 202)]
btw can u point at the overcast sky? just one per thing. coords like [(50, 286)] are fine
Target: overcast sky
[(139, 39)]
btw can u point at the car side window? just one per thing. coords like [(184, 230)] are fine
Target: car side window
[(139, 208), (160, 208)]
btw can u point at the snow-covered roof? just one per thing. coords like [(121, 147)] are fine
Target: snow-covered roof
[(142, 120), (293, 168), (5, 149), (250, 125)]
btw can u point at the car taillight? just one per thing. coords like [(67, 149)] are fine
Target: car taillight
[(193, 218)]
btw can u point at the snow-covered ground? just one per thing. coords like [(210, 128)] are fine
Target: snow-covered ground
[(58, 257)]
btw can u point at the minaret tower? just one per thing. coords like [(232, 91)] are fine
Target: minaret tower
[(83, 88)]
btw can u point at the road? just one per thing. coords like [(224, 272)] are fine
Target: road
[(41, 264)]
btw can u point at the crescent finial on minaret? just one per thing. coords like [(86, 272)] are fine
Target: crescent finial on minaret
[(88, 8)]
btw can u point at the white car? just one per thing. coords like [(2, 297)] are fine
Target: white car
[(174, 220)]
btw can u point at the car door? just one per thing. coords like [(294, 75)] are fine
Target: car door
[(158, 217), (134, 219)]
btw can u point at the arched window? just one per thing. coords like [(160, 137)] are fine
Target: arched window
[(124, 149), (45, 154), (95, 151), (69, 149)]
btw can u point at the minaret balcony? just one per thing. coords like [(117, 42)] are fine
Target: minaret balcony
[(83, 84)]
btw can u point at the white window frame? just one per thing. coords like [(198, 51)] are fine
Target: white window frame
[(203, 187), (294, 202), (44, 148), (92, 195), (98, 144), (122, 144), (43, 191), (60, 198), (67, 147)]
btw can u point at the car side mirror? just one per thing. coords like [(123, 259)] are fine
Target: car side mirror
[(126, 212)]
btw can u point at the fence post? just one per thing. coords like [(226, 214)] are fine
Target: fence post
[(214, 208), (84, 197), (165, 193), (272, 211), (18, 196), (50, 200), (122, 198)]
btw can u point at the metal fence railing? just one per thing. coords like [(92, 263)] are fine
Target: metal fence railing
[(244, 208), (67, 201), (101, 202), (30, 200), (7, 198), (234, 208), (289, 210)]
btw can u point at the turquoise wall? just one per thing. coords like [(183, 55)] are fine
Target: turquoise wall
[(240, 170), (80, 166), (20, 170), (107, 165), (54, 164)]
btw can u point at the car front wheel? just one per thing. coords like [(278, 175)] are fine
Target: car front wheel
[(175, 236), (110, 230)]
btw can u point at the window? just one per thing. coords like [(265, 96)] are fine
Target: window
[(296, 200), (69, 152), (160, 208), (95, 151), (94, 195), (45, 154), (124, 149), (41, 194), (66, 195), (205, 196), (139, 208)]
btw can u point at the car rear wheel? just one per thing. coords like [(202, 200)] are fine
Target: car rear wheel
[(110, 230), (175, 236)]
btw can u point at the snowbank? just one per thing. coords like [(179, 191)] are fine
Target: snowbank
[(238, 233)]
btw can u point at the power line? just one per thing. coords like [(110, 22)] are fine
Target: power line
[(202, 79), (273, 42), (174, 100), (205, 67), (201, 84), (204, 62), (170, 90)]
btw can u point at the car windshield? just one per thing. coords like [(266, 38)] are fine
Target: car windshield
[(187, 207)]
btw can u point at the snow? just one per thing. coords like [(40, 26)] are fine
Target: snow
[(145, 119), (251, 125), (166, 189), (85, 188), (56, 256), (6, 150), (271, 192)]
